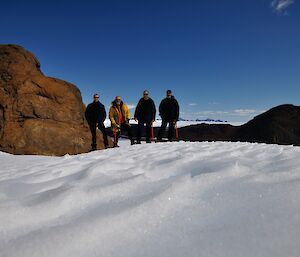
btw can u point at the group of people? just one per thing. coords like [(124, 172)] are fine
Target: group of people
[(119, 115)]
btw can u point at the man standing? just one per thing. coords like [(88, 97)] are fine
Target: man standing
[(145, 114), (119, 116), (169, 112), (95, 115)]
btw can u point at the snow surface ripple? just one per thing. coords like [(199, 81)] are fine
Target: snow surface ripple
[(168, 199)]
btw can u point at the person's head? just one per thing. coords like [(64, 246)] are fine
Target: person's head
[(169, 93), (118, 100), (96, 98), (146, 94)]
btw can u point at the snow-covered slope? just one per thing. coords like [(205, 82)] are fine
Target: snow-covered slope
[(167, 199)]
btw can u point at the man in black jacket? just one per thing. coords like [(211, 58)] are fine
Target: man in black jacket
[(95, 115), (145, 114), (169, 112)]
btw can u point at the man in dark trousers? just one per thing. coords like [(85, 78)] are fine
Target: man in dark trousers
[(95, 115), (169, 112), (145, 114)]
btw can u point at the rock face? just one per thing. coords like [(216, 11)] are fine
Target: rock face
[(279, 125), (39, 114)]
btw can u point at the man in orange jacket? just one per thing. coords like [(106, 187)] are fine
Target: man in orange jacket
[(119, 116)]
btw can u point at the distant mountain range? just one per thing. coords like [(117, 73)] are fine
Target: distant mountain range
[(207, 120), (201, 120), (279, 125), (198, 120)]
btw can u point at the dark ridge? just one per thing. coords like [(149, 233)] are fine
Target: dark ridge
[(279, 125)]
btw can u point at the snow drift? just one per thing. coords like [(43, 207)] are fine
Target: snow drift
[(171, 199)]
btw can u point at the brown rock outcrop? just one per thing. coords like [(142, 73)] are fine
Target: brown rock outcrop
[(39, 114)]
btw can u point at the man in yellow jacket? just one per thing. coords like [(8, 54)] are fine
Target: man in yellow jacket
[(119, 116)]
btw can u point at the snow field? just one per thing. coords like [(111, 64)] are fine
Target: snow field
[(165, 199)]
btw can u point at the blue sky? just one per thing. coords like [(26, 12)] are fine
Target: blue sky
[(223, 59)]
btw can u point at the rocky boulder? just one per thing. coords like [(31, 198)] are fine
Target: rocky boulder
[(39, 114)]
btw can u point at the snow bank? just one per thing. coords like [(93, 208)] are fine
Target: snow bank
[(167, 199)]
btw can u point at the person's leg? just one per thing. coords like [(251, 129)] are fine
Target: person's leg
[(139, 132), (148, 132), (117, 138), (116, 135), (171, 131), (162, 130), (101, 127), (128, 128), (93, 132)]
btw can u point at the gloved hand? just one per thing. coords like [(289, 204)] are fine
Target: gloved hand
[(115, 125)]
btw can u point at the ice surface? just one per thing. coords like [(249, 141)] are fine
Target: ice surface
[(166, 199)]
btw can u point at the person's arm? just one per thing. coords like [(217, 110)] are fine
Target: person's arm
[(177, 110), (137, 110), (127, 112), (161, 108), (153, 110), (111, 117), (102, 114), (88, 114)]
